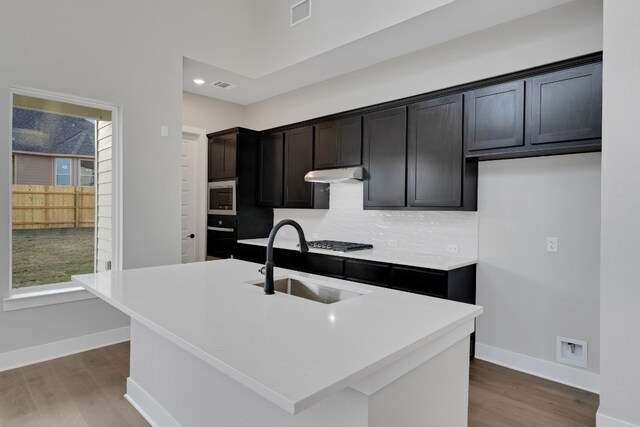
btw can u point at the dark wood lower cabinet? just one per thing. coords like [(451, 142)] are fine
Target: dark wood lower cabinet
[(457, 285)]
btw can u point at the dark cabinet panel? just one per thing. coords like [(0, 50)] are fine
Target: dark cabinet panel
[(298, 160), (432, 283), (222, 157), (338, 143), (384, 158), (325, 265), (494, 117), (350, 141), (434, 163), (565, 105), (373, 273), (271, 170), (326, 145)]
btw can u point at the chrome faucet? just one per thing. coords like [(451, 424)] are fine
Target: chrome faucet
[(267, 270)]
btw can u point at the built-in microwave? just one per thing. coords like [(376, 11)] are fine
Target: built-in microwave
[(222, 198)]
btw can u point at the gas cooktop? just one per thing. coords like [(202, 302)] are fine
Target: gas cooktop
[(333, 245)]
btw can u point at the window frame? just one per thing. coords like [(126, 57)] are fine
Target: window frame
[(56, 174), (93, 174), (55, 293)]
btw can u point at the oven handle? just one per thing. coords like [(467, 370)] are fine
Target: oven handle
[(224, 229)]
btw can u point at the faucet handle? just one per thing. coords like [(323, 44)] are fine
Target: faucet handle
[(262, 270)]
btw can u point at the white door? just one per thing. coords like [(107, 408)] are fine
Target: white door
[(190, 237)]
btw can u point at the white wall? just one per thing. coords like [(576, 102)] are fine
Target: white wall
[(620, 267), (529, 295), (119, 53), (210, 114), (333, 23), (569, 30), (425, 232)]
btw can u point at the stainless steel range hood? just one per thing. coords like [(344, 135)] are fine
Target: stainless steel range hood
[(342, 175)]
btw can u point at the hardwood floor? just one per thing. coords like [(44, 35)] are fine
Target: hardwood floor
[(501, 397), (87, 389), (84, 389)]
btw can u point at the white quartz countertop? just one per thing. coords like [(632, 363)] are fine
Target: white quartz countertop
[(292, 351), (414, 259)]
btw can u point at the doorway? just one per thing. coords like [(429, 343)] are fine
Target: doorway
[(193, 191)]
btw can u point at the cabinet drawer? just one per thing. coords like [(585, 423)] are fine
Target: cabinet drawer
[(318, 264), (372, 273), (425, 282)]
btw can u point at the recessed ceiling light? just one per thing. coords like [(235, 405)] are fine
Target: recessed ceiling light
[(198, 81)]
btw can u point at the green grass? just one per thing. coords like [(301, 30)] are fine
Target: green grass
[(42, 257)]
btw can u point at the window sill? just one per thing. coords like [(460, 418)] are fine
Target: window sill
[(39, 297)]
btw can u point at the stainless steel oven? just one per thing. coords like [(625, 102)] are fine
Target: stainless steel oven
[(222, 198)]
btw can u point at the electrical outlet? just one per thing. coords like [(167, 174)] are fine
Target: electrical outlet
[(552, 244), (453, 249), (393, 243)]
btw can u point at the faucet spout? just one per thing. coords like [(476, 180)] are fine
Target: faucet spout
[(268, 266)]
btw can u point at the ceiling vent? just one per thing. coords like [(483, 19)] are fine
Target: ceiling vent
[(223, 85), (300, 11)]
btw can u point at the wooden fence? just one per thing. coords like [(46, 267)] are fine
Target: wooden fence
[(49, 206)]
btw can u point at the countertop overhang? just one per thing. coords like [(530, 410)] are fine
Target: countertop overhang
[(291, 351), (412, 259)]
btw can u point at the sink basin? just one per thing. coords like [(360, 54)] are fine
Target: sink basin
[(310, 290)]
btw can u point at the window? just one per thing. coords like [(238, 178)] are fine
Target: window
[(63, 172), (87, 173), (62, 219)]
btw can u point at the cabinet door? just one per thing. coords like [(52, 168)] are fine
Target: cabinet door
[(566, 105), (434, 166), (350, 142), (222, 157), (426, 282), (326, 145), (271, 170), (384, 158), (494, 117), (298, 160), (230, 154)]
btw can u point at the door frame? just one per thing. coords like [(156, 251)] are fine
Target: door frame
[(199, 137)]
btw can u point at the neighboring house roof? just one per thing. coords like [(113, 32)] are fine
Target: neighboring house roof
[(55, 134)]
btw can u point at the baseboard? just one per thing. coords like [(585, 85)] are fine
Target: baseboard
[(30, 355), (559, 373), (148, 407), (607, 421)]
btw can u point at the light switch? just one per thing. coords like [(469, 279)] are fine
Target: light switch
[(164, 131)]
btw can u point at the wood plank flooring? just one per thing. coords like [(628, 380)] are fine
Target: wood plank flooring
[(87, 389)]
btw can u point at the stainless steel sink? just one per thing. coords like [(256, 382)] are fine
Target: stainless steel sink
[(310, 290)]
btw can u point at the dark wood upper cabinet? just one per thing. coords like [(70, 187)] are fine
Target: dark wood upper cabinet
[(271, 158), (222, 157), (565, 105), (350, 141), (298, 160), (434, 161), (338, 143), (494, 117), (326, 145), (384, 158)]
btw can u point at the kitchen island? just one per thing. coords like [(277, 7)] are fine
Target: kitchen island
[(208, 348)]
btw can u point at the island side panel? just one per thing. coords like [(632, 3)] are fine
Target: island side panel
[(433, 394), (196, 394)]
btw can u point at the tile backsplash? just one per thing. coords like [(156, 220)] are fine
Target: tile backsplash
[(428, 232)]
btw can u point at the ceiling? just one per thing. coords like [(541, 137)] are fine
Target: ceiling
[(329, 44)]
